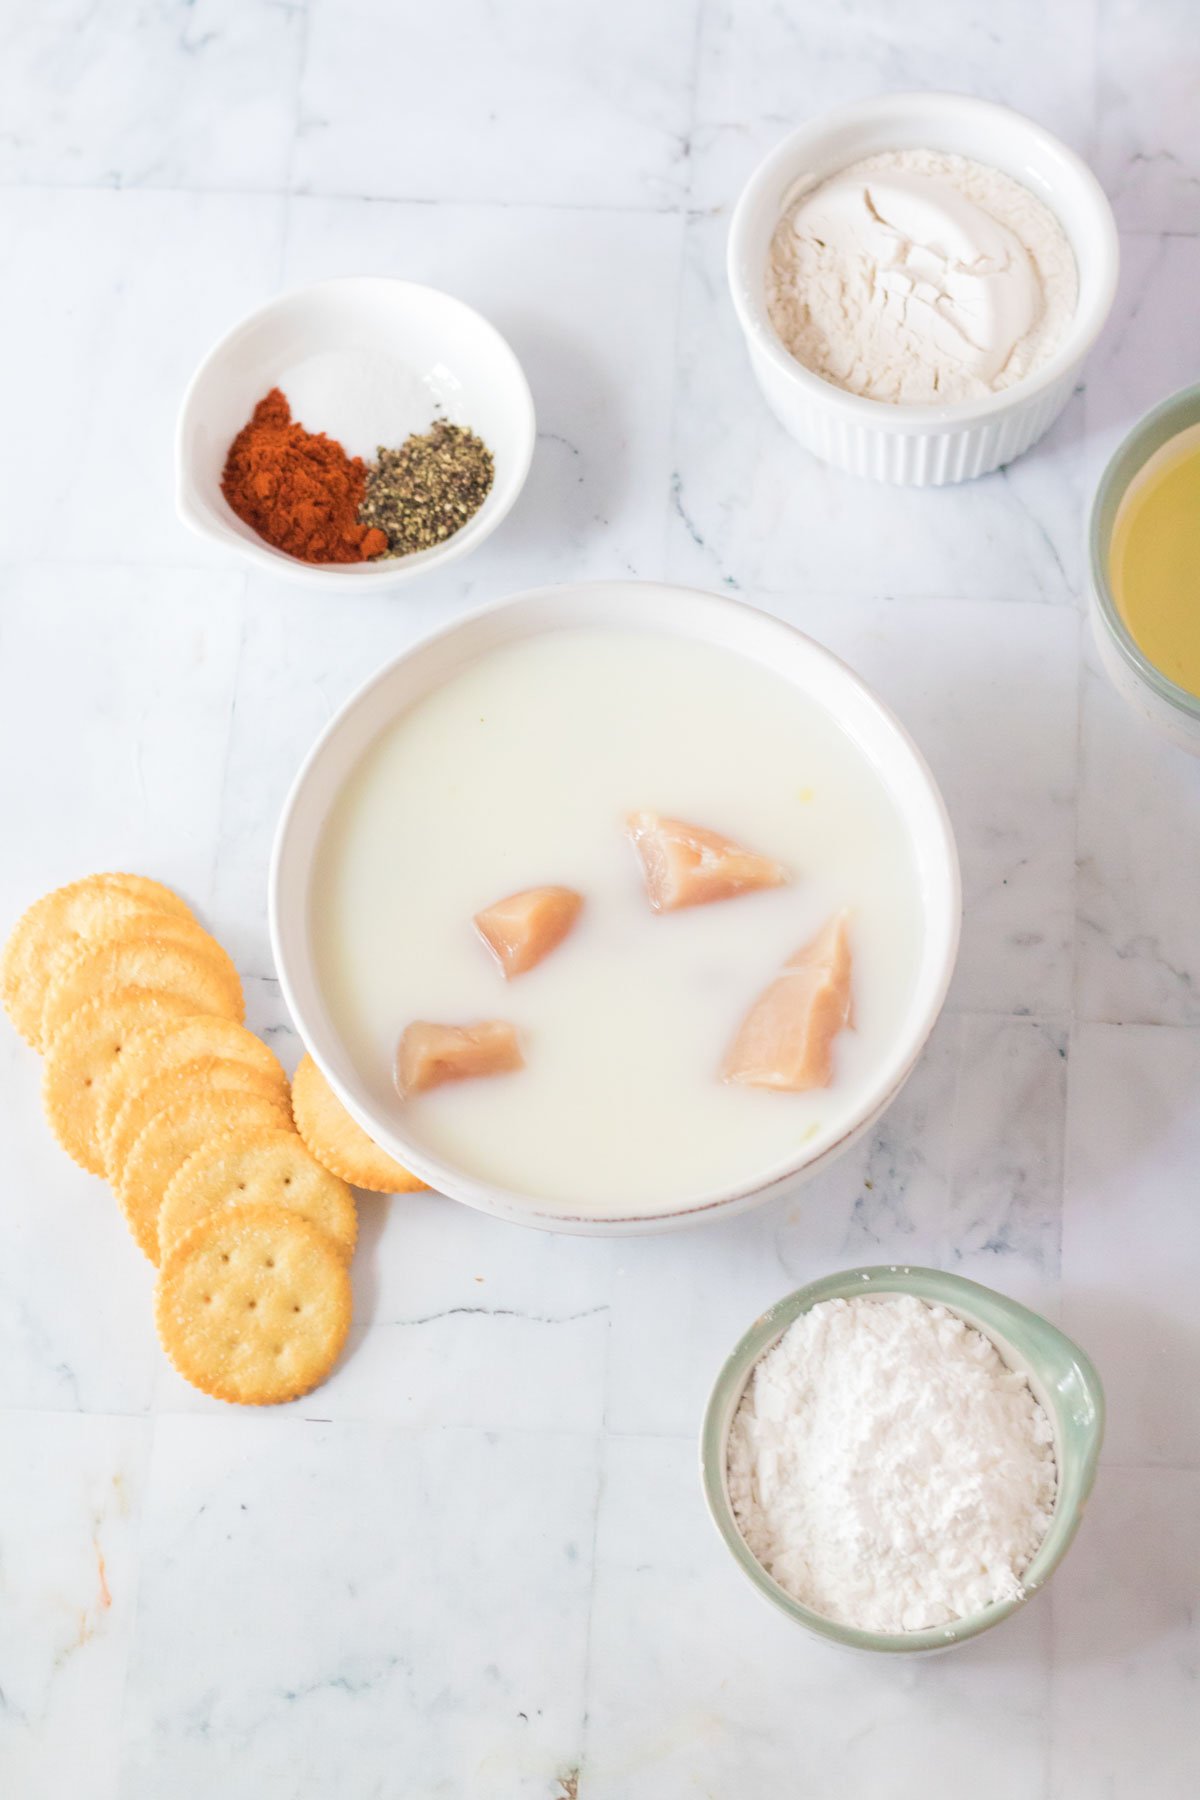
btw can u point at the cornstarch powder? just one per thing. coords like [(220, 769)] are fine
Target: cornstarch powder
[(888, 1468)]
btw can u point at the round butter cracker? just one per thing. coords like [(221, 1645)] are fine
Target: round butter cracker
[(49, 934), (160, 961), (252, 1168), (85, 1055), (178, 1041), (174, 1134), (203, 1075), (337, 1142), (253, 1305)]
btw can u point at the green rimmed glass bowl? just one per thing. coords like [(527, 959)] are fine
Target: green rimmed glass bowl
[(1171, 709), (1059, 1373)]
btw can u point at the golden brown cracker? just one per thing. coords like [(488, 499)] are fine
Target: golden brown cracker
[(170, 1137), (181, 1041), (84, 1056), (337, 1142), (253, 1168), (253, 1305), (159, 961), (50, 933), (162, 927), (204, 1074), (155, 894)]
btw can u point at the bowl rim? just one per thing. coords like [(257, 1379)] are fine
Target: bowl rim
[(1091, 309), (1139, 444), (509, 1204), (980, 1306), (354, 576)]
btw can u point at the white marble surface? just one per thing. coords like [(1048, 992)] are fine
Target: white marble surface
[(476, 1562)]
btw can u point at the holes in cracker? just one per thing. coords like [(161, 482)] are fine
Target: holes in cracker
[(251, 1303), (268, 1262)]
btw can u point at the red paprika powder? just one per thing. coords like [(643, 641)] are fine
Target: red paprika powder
[(298, 489)]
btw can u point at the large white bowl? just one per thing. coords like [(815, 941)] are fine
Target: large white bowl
[(638, 606), (441, 345), (919, 446)]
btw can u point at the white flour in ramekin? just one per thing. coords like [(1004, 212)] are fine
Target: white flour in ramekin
[(920, 278), (888, 1468)]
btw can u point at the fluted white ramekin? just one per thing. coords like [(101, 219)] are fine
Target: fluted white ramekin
[(922, 446)]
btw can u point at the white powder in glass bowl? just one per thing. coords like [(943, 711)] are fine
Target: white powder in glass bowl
[(921, 278), (888, 1468)]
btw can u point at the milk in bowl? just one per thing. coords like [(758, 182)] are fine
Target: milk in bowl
[(634, 1074)]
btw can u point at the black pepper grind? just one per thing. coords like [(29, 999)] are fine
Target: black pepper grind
[(425, 491)]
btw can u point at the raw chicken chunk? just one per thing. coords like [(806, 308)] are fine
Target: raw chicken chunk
[(685, 865), (786, 1039), (523, 929), (429, 1054)]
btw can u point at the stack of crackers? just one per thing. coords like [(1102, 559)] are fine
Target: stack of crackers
[(152, 1080)]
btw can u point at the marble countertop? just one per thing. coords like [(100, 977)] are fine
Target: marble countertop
[(476, 1563)]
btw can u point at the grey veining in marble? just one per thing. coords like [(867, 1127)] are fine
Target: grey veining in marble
[(476, 1562)]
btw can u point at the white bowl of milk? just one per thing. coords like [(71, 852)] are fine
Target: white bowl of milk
[(508, 751)]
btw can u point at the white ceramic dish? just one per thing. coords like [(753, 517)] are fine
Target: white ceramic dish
[(728, 625), (445, 349), (919, 446)]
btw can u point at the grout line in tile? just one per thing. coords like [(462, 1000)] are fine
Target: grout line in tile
[(585, 1719), (136, 1606), (759, 592), (604, 1437), (1081, 679), (952, 1139), (701, 18), (235, 688), (338, 196), (687, 214), (297, 114), (292, 191), (359, 1421), (156, 1416)]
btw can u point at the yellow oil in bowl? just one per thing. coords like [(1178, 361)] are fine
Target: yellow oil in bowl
[(1154, 559)]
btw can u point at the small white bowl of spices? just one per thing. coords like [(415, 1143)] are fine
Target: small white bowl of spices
[(898, 1458), (354, 434), (919, 278)]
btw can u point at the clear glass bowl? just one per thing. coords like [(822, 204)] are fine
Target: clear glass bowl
[(1169, 708), (1059, 1373)]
